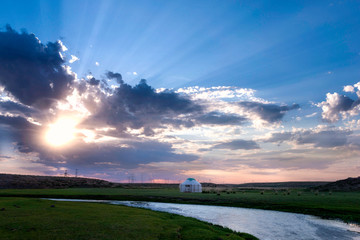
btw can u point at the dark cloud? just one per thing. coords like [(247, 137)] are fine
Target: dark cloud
[(93, 81), (116, 76), (31, 71), (218, 118), (323, 139), (18, 123), (141, 106), (344, 104), (270, 113), (25, 134), (237, 144), (129, 155), (143, 98), (280, 137), (16, 108)]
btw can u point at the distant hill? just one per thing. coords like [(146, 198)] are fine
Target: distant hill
[(30, 181), (349, 184), (16, 181), (282, 185)]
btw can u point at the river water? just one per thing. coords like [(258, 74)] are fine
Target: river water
[(264, 224)]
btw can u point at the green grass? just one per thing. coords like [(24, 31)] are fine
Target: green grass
[(341, 205), (31, 218)]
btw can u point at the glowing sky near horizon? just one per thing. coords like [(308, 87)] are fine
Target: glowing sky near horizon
[(235, 91)]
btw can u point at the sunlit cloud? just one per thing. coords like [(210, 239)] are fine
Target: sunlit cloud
[(337, 106), (73, 59)]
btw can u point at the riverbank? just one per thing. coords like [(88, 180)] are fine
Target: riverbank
[(25, 218), (330, 205)]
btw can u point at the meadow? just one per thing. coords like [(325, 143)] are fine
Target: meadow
[(32, 218), (333, 205)]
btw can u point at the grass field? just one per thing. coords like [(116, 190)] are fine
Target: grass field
[(31, 218), (341, 205)]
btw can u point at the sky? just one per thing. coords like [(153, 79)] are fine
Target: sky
[(159, 91)]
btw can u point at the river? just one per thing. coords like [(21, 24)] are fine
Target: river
[(264, 224)]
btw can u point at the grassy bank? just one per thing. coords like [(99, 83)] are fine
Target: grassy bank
[(22, 218), (341, 205)]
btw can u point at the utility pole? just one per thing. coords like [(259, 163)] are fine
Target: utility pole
[(132, 178), (65, 173), (76, 172)]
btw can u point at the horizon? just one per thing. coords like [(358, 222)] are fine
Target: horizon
[(165, 181), (235, 92)]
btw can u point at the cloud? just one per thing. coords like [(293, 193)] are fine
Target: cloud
[(327, 138), (349, 88), (311, 115), (280, 137), (25, 134), (116, 76), (16, 108), (31, 71), (220, 92), (219, 118), (93, 81), (270, 113), (142, 107), (73, 59), (337, 105), (107, 156), (237, 144)]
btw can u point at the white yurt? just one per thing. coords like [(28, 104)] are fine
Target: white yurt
[(190, 185)]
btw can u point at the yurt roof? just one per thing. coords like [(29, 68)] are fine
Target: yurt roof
[(191, 181)]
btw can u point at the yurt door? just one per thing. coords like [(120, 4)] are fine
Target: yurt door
[(187, 188)]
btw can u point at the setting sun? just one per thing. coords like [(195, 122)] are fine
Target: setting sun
[(61, 132)]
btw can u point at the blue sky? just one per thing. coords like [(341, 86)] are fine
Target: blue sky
[(274, 61)]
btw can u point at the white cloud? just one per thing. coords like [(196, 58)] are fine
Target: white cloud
[(311, 115), (63, 47), (337, 105), (159, 90), (348, 88), (220, 92), (357, 85), (73, 59)]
